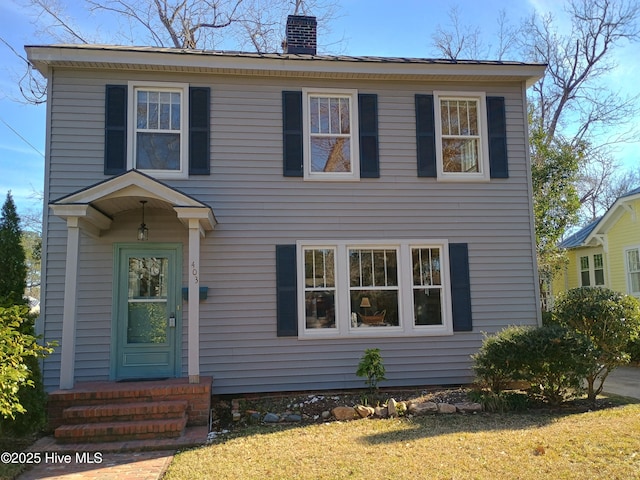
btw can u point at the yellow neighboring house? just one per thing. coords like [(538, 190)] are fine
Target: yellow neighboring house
[(605, 253)]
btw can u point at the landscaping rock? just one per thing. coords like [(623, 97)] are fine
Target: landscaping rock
[(381, 412), (271, 418), (446, 408), (423, 408), (468, 407), (363, 411), (326, 414), (391, 408), (294, 418), (345, 413)]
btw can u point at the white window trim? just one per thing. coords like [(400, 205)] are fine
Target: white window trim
[(592, 269), (406, 327), (483, 163), (352, 95), (183, 88), (627, 273)]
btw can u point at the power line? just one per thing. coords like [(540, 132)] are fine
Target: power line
[(21, 137)]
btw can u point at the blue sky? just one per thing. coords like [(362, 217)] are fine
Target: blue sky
[(368, 27)]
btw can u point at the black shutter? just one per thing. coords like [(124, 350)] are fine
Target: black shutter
[(115, 131), (292, 133), (199, 143), (368, 131), (287, 302), (460, 287), (425, 136), (497, 126)]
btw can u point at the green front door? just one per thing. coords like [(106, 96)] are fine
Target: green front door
[(147, 312)]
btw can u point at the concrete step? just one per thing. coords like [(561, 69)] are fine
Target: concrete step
[(121, 431), (120, 412)]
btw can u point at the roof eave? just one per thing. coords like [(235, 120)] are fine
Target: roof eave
[(112, 57)]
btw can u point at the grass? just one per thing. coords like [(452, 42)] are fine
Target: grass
[(598, 444)]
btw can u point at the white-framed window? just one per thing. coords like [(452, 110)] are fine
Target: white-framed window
[(632, 267), (592, 270), (330, 141), (462, 147), (373, 288), (158, 122)]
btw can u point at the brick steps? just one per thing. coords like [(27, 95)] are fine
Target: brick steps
[(122, 412), (132, 412), (119, 431)]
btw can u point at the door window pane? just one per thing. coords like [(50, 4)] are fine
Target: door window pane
[(147, 300)]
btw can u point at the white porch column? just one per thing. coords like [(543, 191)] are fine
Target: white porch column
[(193, 330), (68, 350)]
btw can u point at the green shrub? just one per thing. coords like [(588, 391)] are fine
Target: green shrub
[(552, 359), (634, 350), (496, 364), (22, 397), (371, 366), (611, 320)]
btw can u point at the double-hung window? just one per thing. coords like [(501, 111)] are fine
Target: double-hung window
[(632, 263), (592, 270), (461, 136), (331, 142), (395, 288), (158, 140)]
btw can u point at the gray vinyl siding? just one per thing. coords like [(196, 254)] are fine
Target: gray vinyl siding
[(257, 208)]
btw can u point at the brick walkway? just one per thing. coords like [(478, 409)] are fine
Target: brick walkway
[(120, 466), (126, 460)]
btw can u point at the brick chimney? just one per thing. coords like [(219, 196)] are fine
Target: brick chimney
[(301, 35)]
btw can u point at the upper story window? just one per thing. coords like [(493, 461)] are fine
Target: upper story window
[(158, 141), (461, 136), (592, 270), (331, 142), (632, 264)]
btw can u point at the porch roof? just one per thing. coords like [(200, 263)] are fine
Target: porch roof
[(96, 205)]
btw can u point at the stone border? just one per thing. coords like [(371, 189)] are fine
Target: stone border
[(391, 409)]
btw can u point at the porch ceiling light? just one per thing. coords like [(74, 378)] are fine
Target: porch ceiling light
[(143, 231)]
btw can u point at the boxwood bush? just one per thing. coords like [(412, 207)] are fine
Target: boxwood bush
[(552, 359)]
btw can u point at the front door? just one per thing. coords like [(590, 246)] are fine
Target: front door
[(147, 311)]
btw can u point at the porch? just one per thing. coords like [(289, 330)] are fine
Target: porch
[(119, 416)]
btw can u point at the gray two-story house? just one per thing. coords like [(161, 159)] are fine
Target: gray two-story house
[(263, 219)]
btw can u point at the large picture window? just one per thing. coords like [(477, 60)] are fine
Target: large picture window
[(373, 287), (331, 144), (461, 136), (158, 143), (392, 289)]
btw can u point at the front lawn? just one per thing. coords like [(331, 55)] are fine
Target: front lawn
[(534, 445)]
